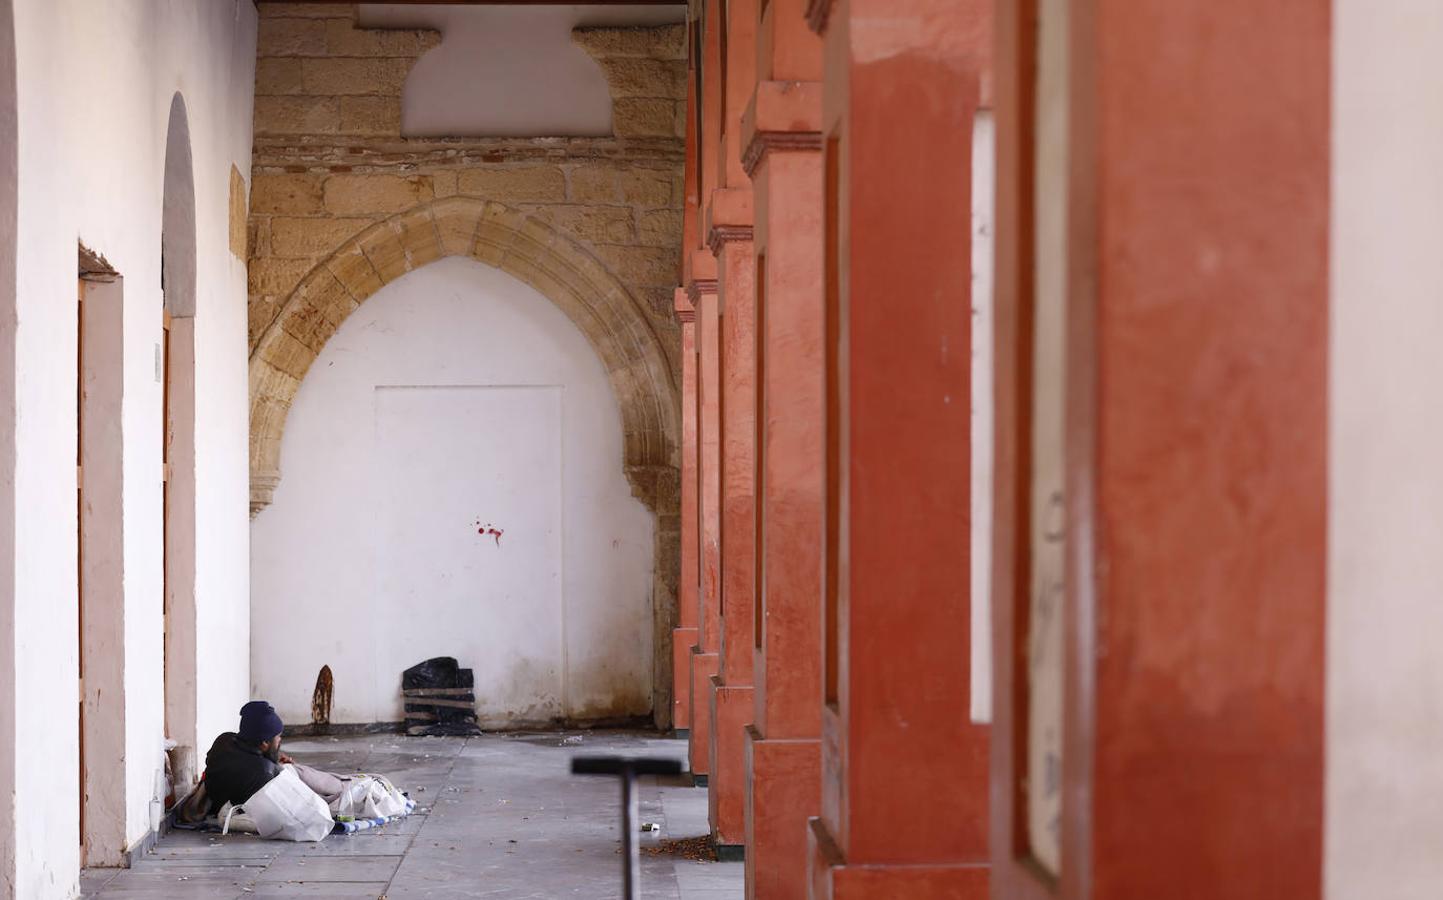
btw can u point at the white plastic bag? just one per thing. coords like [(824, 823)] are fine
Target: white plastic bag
[(369, 797), (235, 818), (286, 810)]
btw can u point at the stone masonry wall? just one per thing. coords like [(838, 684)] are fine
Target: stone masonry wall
[(330, 162), (330, 159)]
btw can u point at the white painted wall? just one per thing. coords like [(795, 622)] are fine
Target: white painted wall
[(1385, 567), (95, 83), (492, 56), (455, 398), (984, 406)]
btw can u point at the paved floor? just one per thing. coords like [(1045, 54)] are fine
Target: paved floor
[(497, 816)]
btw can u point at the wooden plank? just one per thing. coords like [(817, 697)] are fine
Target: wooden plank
[(449, 704)]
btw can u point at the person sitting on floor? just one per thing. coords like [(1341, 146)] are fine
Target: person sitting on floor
[(242, 762)]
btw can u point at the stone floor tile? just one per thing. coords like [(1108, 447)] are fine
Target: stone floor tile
[(497, 817)]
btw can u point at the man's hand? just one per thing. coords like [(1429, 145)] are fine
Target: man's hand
[(286, 760)]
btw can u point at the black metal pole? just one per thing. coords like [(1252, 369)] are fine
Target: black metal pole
[(630, 855), (627, 769)]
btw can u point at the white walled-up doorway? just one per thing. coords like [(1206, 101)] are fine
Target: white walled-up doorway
[(454, 486)]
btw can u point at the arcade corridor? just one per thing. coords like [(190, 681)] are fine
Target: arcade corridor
[(994, 444)]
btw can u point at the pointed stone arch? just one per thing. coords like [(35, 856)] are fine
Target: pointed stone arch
[(511, 240)]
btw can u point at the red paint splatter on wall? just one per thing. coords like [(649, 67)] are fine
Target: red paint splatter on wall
[(488, 528)]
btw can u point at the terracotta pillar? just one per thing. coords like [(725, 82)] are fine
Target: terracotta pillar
[(782, 135), (1193, 276), (704, 146), (732, 686), (729, 235), (904, 784), (705, 655), (684, 635)]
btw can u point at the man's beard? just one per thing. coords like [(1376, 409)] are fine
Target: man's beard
[(274, 754)]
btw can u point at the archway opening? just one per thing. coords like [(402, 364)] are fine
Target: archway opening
[(178, 284), (530, 250), (455, 487)]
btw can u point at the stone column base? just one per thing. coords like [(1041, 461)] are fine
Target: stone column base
[(703, 668), (732, 711), (683, 640), (831, 878), (784, 789)]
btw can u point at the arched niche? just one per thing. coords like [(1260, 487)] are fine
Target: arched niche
[(612, 319), (178, 285)]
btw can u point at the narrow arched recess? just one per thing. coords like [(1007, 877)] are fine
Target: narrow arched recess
[(600, 305), (178, 285)]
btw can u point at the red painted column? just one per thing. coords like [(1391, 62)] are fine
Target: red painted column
[(729, 235), (904, 785), (687, 632), (701, 283), (732, 686), (706, 654), (1197, 306), (684, 635), (782, 131)]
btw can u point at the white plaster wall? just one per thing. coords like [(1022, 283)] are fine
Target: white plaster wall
[(494, 54), (456, 397), (1385, 567), (95, 83), (984, 406)]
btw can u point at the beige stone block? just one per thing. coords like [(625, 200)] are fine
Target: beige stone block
[(306, 10), (491, 248), (375, 194), (354, 76), (276, 277), (258, 237), (660, 228), (310, 326), (316, 310), (643, 266), (344, 39), (646, 187), (403, 244), (598, 224), (657, 301), (237, 214), (456, 219), (633, 76), (310, 238), (279, 75), (514, 183), (419, 237), (658, 42), (285, 353), (593, 184), (354, 271), (641, 117), (371, 115), (297, 115), (260, 313), (445, 184), (291, 37), (384, 249), (286, 194)]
